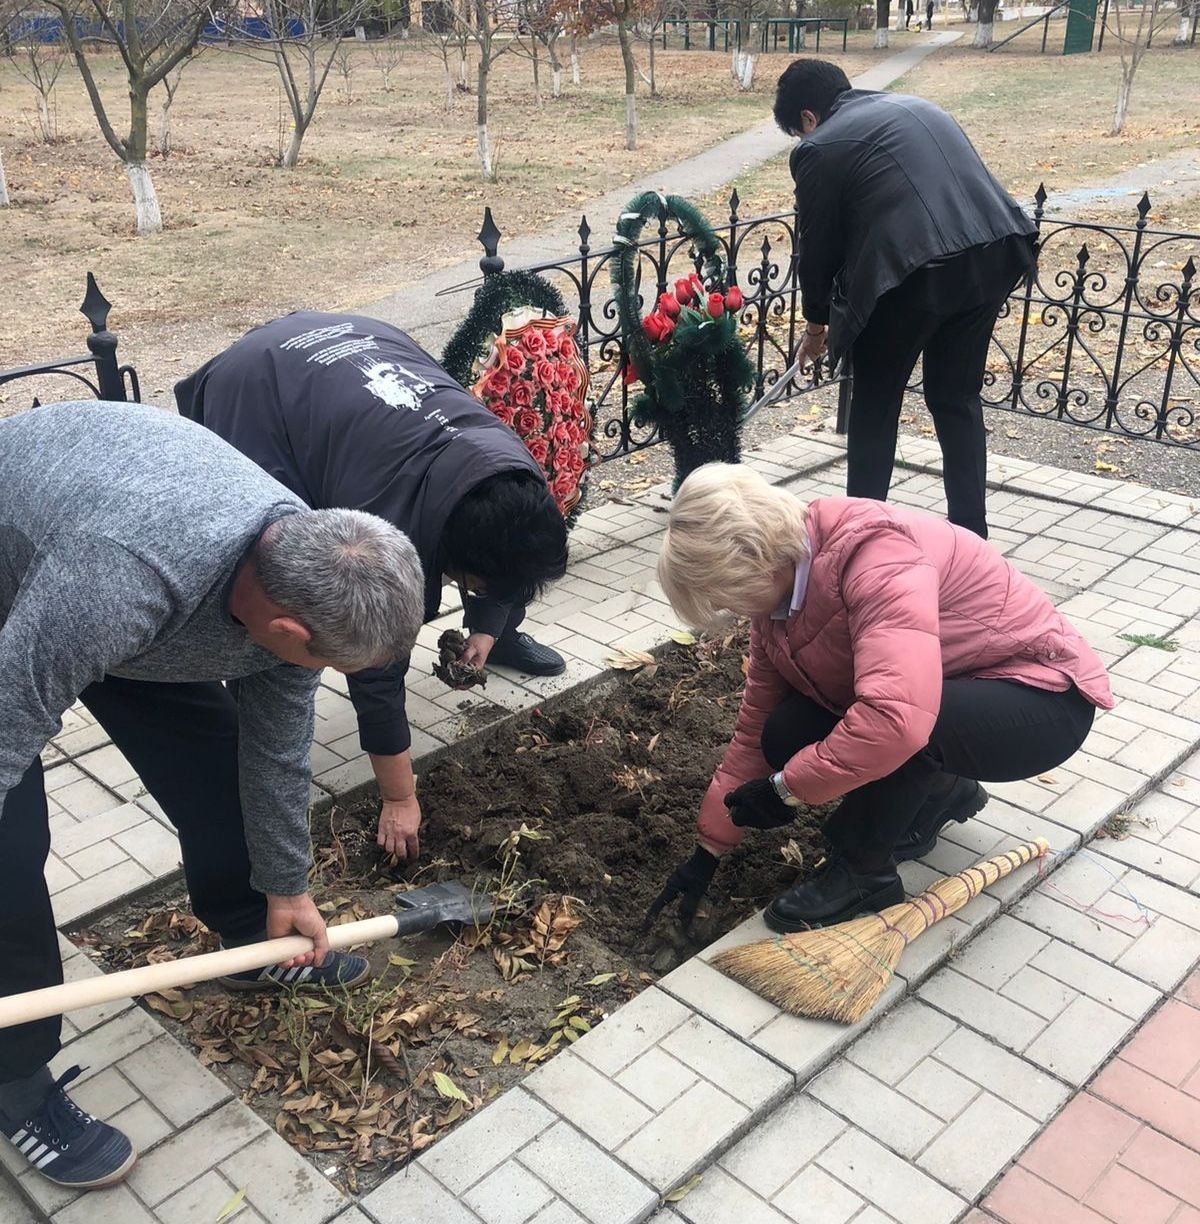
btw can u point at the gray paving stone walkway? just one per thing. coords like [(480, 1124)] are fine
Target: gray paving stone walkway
[(995, 1018)]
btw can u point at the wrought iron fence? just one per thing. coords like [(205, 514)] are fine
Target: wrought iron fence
[(107, 378), (1104, 333)]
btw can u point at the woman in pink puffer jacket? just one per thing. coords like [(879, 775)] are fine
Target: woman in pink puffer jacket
[(895, 662)]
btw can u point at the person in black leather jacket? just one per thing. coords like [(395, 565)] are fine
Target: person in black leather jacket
[(350, 412), (908, 247)]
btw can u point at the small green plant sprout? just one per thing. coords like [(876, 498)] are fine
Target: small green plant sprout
[(1157, 640)]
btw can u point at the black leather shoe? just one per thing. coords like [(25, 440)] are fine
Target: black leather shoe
[(965, 799), (520, 652), (836, 893)]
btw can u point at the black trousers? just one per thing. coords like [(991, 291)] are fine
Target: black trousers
[(988, 730), (182, 740), (900, 329)]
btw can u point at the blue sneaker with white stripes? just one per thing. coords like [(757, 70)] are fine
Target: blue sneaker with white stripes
[(340, 969), (68, 1146)]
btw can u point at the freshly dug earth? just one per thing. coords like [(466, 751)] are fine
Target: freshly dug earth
[(573, 820)]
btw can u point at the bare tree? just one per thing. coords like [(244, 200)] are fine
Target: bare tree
[(1189, 15), (344, 58), (152, 38), (39, 62), (302, 40), (387, 53), (1134, 41), (4, 200), (446, 34), (881, 22), (170, 84), (491, 27)]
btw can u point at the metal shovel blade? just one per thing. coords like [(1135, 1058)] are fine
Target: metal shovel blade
[(428, 907)]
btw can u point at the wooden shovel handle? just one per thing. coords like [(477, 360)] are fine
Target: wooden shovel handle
[(128, 984)]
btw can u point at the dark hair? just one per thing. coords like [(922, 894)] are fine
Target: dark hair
[(508, 531), (807, 85)]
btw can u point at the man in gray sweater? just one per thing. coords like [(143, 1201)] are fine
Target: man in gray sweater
[(143, 561)]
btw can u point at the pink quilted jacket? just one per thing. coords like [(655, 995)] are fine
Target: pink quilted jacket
[(897, 599)]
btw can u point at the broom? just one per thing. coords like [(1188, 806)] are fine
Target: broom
[(839, 972)]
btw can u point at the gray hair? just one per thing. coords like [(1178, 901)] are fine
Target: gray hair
[(352, 579)]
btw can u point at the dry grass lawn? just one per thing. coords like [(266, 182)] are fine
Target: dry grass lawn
[(388, 188)]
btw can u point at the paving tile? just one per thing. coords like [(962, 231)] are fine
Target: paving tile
[(1125, 1198), (191, 1151), (727, 1062), (115, 1206), (413, 1195), (1081, 1143), (1078, 1042), (13, 1208), (595, 1104), (144, 1125), (682, 1138), (896, 1187), (900, 1041), (1167, 1109), (656, 1078), (153, 846), (587, 1177), (202, 1201), (486, 1140), (1168, 1045), (874, 1107), (1095, 979), (1164, 1162), (559, 1212), (641, 1023), (114, 819), (1022, 1198), (975, 1147), (1001, 1019), (173, 1081), (107, 1044), (94, 859), (280, 1184), (782, 1144), (87, 896), (940, 1090), (1003, 1074), (814, 1195), (720, 998), (719, 1199), (510, 1195)]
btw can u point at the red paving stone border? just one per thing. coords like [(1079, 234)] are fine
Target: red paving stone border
[(1127, 1150)]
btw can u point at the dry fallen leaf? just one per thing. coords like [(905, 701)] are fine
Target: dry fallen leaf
[(629, 660), (684, 1190), (230, 1207), (446, 1087)]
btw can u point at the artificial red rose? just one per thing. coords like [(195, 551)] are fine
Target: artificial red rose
[(497, 383), (716, 305), (566, 344), (697, 286), (543, 372), (529, 422), (652, 326), (733, 298), (514, 359), (578, 434), (521, 395), (629, 375), (564, 405), (570, 377), (504, 412), (667, 326), (534, 342), (668, 305), (562, 372), (539, 449), (563, 488), (560, 433), (561, 460), (683, 291), (573, 461)]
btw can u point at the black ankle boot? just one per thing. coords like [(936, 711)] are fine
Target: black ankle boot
[(964, 799), (520, 652), (837, 893)]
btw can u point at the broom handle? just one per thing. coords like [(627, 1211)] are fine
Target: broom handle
[(187, 971), (978, 877)]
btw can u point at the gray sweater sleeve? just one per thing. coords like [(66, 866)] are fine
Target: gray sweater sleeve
[(275, 730), (80, 610)]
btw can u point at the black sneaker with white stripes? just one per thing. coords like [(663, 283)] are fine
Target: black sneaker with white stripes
[(68, 1146), (340, 969)]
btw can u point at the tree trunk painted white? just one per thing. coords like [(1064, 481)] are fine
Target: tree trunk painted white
[(462, 68), (983, 34), (574, 63), (145, 202), (556, 78), (4, 200), (1122, 107), (292, 156), (449, 90), (802, 38), (1187, 17), (881, 37), (745, 73), (44, 118), (485, 152), (630, 121)]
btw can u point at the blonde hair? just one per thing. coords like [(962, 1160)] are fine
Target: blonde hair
[(729, 534)]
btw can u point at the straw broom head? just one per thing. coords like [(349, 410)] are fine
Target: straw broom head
[(839, 972)]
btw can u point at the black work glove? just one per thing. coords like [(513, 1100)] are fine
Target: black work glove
[(755, 805), (689, 881)]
